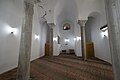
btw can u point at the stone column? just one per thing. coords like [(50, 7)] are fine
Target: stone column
[(51, 25), (113, 18), (83, 38), (23, 72)]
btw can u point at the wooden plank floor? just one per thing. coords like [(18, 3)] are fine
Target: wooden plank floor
[(66, 67)]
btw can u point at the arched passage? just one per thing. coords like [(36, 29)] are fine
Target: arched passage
[(95, 35), (66, 12)]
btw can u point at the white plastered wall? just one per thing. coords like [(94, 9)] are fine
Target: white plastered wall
[(11, 15), (101, 42)]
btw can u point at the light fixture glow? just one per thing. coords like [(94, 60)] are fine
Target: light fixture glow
[(78, 38), (12, 30), (74, 39), (37, 37), (67, 40), (54, 38), (105, 33)]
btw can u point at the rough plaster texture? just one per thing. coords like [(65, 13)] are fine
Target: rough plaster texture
[(83, 38), (12, 15), (23, 72), (113, 17)]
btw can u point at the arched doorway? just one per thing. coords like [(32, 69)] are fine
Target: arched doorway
[(66, 15), (98, 37)]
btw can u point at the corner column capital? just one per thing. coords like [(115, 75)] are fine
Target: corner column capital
[(82, 22), (51, 25)]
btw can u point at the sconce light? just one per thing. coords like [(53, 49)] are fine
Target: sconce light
[(55, 38), (37, 37), (67, 40), (78, 38), (74, 39), (104, 33), (104, 28), (12, 30)]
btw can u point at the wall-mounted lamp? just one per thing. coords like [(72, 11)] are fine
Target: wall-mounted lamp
[(67, 40), (104, 33), (104, 28), (78, 38), (37, 37), (74, 39), (55, 38), (12, 30)]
